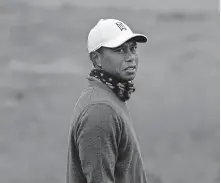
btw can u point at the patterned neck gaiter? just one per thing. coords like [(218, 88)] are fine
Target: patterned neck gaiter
[(122, 89)]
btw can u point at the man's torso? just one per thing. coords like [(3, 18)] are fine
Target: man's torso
[(129, 166)]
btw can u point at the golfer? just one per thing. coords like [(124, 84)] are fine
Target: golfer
[(103, 147)]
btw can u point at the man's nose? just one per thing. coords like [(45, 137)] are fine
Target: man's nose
[(129, 57)]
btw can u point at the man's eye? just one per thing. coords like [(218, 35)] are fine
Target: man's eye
[(133, 48), (119, 50)]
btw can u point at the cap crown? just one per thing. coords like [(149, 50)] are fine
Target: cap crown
[(105, 31)]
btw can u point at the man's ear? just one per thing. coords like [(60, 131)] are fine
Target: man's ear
[(96, 59)]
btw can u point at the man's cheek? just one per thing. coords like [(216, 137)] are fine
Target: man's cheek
[(136, 59)]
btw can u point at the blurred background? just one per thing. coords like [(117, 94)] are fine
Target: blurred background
[(44, 63)]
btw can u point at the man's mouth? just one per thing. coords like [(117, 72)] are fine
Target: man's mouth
[(130, 68)]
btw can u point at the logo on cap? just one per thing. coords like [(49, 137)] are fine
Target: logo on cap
[(121, 26)]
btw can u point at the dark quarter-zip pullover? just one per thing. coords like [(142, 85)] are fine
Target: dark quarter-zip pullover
[(103, 147)]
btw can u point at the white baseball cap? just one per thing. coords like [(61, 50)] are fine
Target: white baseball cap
[(111, 33)]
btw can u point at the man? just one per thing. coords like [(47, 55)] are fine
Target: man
[(103, 147)]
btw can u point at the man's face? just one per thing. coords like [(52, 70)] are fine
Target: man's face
[(122, 61)]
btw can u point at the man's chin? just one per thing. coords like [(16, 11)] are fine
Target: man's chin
[(129, 77)]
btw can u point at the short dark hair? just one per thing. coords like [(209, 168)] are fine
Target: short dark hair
[(100, 51)]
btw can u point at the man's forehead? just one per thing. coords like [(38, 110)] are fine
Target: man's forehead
[(129, 42), (125, 44)]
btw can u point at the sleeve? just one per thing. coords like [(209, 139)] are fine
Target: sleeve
[(98, 136)]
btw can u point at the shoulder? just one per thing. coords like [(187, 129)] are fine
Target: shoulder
[(100, 111), (100, 115)]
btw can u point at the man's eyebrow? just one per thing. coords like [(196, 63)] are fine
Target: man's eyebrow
[(132, 44), (117, 47)]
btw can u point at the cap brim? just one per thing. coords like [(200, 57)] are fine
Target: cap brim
[(140, 38)]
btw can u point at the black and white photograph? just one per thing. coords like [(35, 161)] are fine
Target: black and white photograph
[(109, 91)]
